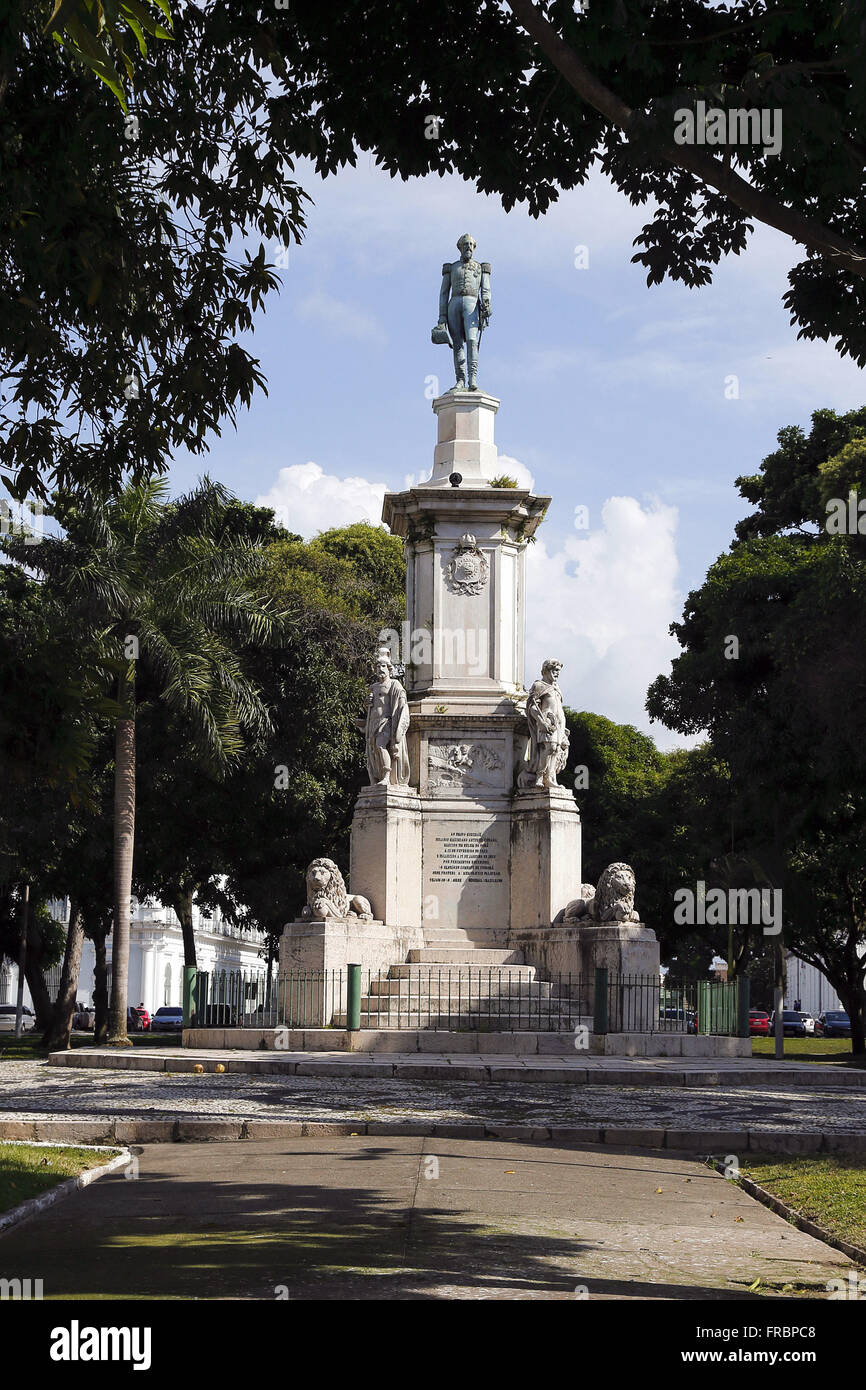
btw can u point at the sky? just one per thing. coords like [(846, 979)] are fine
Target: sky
[(641, 405)]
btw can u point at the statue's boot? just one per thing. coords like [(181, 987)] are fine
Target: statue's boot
[(472, 365), (459, 368)]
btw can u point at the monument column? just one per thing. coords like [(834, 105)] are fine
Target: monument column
[(491, 856)]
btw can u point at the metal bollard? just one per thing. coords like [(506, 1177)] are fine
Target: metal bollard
[(599, 1007), (353, 997)]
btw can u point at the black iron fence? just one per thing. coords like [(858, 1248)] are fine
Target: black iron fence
[(497, 998)]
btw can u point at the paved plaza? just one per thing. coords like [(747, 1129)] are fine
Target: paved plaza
[(36, 1091), (410, 1218)]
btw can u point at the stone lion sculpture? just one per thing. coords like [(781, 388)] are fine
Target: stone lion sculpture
[(327, 895), (611, 901)]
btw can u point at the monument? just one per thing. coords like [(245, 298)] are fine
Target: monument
[(465, 844)]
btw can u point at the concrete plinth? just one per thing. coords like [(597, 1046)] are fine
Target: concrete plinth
[(385, 863), (545, 855), (331, 946), (622, 948)]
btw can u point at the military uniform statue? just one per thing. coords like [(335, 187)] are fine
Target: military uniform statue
[(464, 309)]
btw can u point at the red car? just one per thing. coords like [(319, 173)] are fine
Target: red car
[(759, 1023)]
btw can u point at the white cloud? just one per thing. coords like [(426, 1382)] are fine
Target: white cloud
[(603, 605), (513, 468), (308, 500), (341, 318)]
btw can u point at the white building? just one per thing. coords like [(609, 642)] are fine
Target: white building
[(808, 985), (156, 955)]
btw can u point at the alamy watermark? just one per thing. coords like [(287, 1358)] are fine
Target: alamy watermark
[(740, 126), (22, 519), (846, 517), (720, 907)]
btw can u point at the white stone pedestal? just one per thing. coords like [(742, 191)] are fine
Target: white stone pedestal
[(331, 946), (545, 855), (623, 948), (385, 857)]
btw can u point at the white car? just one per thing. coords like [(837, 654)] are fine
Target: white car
[(7, 1019)]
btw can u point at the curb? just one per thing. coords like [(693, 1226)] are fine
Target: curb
[(34, 1205), (768, 1199), (181, 1129)]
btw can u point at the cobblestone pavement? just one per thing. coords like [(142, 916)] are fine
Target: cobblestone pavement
[(33, 1090)]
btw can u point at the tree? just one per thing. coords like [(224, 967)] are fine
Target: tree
[(96, 33), (666, 814), (170, 593), (295, 798), (132, 247), (526, 100), (771, 667)]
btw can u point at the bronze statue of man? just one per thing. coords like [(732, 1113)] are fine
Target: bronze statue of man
[(464, 311)]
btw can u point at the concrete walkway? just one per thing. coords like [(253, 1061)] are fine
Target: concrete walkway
[(415, 1219)]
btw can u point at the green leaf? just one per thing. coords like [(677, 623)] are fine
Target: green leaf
[(145, 19), (138, 32), (62, 9), (104, 70)]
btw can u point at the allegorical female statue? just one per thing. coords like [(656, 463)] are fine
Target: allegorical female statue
[(385, 727), (548, 732), (464, 309)]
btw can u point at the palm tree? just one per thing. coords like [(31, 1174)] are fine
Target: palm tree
[(168, 591)]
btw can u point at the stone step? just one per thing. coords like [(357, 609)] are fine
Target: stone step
[(477, 936), (460, 986), (480, 1020), (463, 955), (423, 970)]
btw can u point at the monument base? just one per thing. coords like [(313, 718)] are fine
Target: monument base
[(545, 855), (331, 945), (385, 863), (622, 948)]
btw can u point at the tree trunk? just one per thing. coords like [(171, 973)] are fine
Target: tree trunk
[(58, 1035), (100, 986), (42, 1005), (849, 988), (22, 957), (181, 901), (124, 844), (779, 1000)]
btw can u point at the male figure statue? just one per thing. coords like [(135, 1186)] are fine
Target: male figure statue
[(466, 312), (548, 749), (385, 727)]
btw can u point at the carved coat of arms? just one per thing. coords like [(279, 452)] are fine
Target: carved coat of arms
[(468, 568)]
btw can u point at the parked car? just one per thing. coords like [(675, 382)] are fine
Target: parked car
[(7, 1019), (673, 1020), (84, 1018), (759, 1023), (792, 1024), (834, 1023), (168, 1019)]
